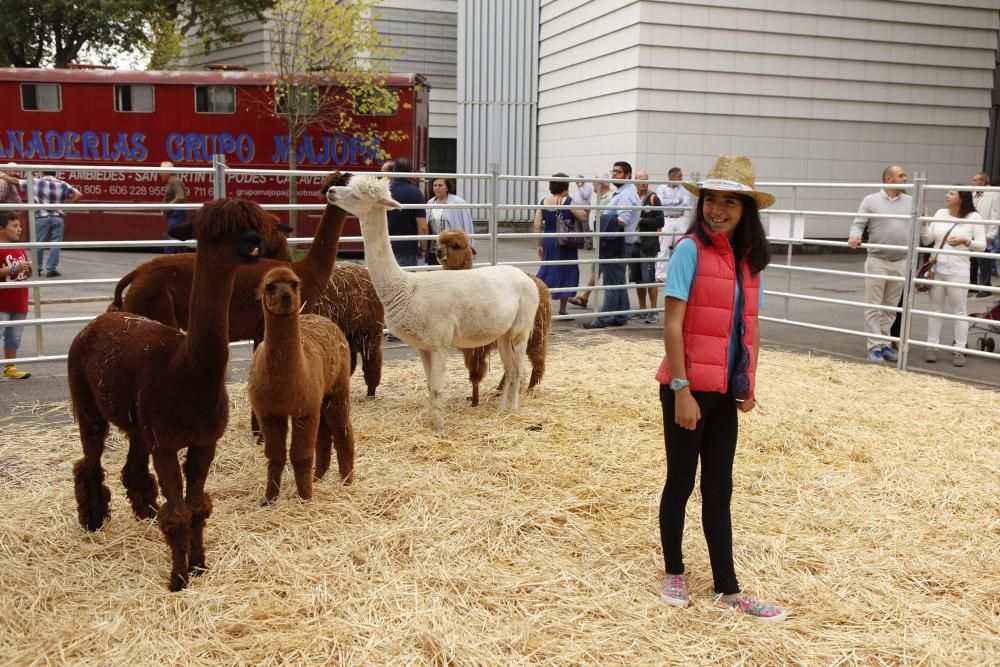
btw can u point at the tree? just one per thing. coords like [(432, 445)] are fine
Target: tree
[(53, 32), (328, 59)]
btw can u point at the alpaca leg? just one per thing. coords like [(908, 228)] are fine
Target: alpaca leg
[(275, 430), (174, 516), (537, 349), (511, 373), (434, 366), (324, 443), (196, 466), (520, 345), (475, 362), (354, 349), (254, 422), (140, 486), (337, 420), (371, 362), (92, 495), (302, 452)]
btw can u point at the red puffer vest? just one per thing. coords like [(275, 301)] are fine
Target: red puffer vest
[(708, 323)]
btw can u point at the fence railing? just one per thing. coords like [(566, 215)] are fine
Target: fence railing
[(786, 225)]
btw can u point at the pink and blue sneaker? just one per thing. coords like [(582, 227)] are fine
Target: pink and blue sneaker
[(751, 607), (674, 590)]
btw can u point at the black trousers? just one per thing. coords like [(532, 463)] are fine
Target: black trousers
[(713, 441)]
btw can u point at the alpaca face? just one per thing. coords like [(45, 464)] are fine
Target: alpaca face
[(279, 292), (364, 195), (454, 250)]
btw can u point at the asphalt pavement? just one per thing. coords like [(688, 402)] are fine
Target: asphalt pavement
[(59, 299)]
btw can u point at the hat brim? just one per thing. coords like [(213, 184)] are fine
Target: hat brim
[(763, 199)]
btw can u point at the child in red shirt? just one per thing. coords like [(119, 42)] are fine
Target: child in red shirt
[(14, 267)]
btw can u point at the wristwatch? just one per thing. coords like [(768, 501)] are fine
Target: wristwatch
[(677, 383)]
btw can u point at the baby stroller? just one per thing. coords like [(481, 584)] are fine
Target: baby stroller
[(984, 343)]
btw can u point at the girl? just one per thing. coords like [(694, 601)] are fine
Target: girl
[(710, 334), (957, 234)]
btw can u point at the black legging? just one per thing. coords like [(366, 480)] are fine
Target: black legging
[(714, 440)]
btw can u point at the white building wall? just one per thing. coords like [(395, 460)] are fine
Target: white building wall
[(811, 90)]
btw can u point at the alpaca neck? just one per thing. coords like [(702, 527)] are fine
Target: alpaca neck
[(385, 272), (208, 321), (282, 345), (317, 265)]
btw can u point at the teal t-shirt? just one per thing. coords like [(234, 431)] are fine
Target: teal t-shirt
[(680, 274)]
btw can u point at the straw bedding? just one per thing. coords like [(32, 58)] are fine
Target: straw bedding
[(866, 503)]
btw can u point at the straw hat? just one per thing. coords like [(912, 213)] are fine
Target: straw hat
[(732, 173)]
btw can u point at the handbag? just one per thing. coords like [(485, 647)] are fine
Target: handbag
[(926, 270), (566, 223)]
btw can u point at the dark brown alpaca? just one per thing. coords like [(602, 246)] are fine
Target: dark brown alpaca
[(300, 372), (160, 287), (350, 302), (166, 390), (455, 253)]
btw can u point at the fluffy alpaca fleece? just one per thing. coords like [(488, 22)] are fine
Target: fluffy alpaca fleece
[(166, 390), (435, 310), (300, 372), (350, 302), (454, 252), (159, 289)]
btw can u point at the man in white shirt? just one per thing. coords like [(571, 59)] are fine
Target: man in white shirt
[(673, 193)]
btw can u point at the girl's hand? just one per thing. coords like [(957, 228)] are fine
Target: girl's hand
[(541, 252), (957, 242), (746, 406), (687, 414)]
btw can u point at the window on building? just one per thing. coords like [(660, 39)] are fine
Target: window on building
[(41, 97), (300, 100), (136, 98), (215, 99), (376, 101)]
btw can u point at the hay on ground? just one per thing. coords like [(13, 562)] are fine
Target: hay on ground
[(866, 503)]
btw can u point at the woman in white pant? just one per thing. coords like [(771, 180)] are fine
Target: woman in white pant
[(959, 211)]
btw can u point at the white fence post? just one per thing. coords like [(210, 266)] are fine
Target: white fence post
[(219, 176), (920, 179)]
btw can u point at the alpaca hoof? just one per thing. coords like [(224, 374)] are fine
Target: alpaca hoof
[(178, 582), (196, 566), (267, 502), (146, 512), (348, 477), (473, 400), (371, 392)]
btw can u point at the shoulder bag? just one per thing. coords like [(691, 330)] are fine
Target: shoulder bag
[(566, 223), (926, 270)]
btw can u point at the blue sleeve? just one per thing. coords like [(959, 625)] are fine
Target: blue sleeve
[(760, 305), (681, 269)]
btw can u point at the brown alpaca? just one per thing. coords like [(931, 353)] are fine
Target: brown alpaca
[(160, 287), (300, 371), (454, 252), (350, 302), (166, 390)]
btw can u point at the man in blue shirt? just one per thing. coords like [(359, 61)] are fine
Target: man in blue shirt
[(407, 222), (613, 247)]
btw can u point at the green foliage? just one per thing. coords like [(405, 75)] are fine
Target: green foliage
[(330, 63), (52, 32)]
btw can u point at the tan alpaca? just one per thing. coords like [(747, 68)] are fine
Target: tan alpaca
[(301, 371), (454, 252)]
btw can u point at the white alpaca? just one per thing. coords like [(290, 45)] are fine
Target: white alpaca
[(433, 311)]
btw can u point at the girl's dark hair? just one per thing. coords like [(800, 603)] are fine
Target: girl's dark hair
[(965, 205), (749, 241), (558, 187)]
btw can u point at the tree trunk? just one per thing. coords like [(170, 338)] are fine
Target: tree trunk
[(292, 186)]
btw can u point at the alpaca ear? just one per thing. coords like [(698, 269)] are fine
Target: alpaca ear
[(389, 202), (473, 249)]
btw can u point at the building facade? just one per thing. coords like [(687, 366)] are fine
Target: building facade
[(812, 90)]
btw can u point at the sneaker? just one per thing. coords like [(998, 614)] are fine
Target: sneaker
[(889, 354), (930, 356), (653, 318), (983, 294), (754, 608), (14, 374), (958, 359), (637, 316), (389, 338), (674, 590), (52, 274), (594, 325), (875, 355)]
